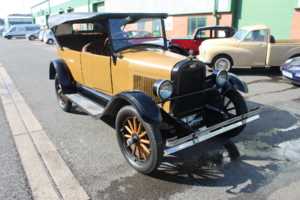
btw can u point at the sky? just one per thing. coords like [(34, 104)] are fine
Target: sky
[(16, 6)]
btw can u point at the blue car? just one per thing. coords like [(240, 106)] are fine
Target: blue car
[(291, 70)]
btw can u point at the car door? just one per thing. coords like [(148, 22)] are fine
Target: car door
[(255, 45), (201, 35), (20, 31), (96, 71)]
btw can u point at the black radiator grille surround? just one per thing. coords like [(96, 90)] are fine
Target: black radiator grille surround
[(189, 76)]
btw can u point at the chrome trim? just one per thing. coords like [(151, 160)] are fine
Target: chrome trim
[(208, 133)]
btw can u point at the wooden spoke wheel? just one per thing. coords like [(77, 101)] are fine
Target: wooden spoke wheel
[(63, 102), (139, 141), (234, 105)]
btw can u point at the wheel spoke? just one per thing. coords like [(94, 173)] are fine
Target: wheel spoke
[(134, 124), (145, 149), (127, 136), (130, 124), (139, 128), (143, 134), (129, 130), (145, 141), (137, 151), (227, 104)]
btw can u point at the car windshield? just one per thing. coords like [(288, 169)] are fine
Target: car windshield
[(129, 32), (241, 34)]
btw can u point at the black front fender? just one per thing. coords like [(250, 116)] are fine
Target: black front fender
[(144, 104), (60, 68), (237, 83)]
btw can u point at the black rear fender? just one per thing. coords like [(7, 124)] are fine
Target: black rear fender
[(59, 67)]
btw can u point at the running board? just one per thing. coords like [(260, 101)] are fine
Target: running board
[(208, 133), (91, 108)]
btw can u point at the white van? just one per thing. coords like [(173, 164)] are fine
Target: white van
[(20, 30)]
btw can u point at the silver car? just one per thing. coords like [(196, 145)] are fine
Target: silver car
[(49, 37), (17, 31)]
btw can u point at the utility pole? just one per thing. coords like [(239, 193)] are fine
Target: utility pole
[(215, 12)]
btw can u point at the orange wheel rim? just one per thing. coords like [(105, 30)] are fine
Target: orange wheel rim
[(134, 131)]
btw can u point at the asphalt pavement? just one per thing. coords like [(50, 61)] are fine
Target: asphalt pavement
[(267, 169)]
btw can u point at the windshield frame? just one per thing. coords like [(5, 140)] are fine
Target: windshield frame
[(163, 36), (245, 35)]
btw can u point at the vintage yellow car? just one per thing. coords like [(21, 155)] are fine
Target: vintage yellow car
[(117, 68), (251, 46)]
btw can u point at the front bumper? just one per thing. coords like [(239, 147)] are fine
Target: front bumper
[(210, 132), (291, 76)]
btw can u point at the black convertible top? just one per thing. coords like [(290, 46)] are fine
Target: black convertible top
[(93, 16)]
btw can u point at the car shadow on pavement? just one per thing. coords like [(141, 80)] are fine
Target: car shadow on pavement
[(262, 156), (264, 146)]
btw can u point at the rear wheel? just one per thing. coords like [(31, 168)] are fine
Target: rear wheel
[(139, 141), (63, 102), (234, 105), (50, 41)]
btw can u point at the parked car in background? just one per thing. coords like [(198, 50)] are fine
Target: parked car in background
[(185, 45), (41, 35), (17, 31), (33, 35), (252, 46), (158, 102), (48, 37), (291, 70)]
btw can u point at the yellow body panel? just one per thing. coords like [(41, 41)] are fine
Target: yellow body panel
[(100, 73), (73, 60), (97, 72), (154, 63)]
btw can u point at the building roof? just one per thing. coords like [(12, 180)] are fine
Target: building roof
[(91, 17)]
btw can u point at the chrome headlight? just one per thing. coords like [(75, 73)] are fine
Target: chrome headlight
[(163, 89), (222, 78)]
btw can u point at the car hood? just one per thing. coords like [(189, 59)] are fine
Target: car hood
[(154, 62), (224, 41)]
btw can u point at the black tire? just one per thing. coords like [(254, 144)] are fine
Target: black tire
[(9, 37), (234, 105), (63, 102), (141, 160), (31, 37), (232, 150), (224, 59)]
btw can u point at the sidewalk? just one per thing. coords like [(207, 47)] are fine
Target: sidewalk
[(13, 184)]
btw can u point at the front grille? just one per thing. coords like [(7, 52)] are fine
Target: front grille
[(145, 84)]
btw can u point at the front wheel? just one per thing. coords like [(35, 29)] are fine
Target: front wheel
[(63, 102), (234, 105), (139, 141)]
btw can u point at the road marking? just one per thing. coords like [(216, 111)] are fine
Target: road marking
[(48, 175)]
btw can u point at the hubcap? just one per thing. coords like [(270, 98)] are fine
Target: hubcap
[(222, 64), (135, 139)]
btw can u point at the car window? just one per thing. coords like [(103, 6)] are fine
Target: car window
[(219, 34), (203, 34), (13, 29), (32, 28), (19, 29), (257, 36)]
